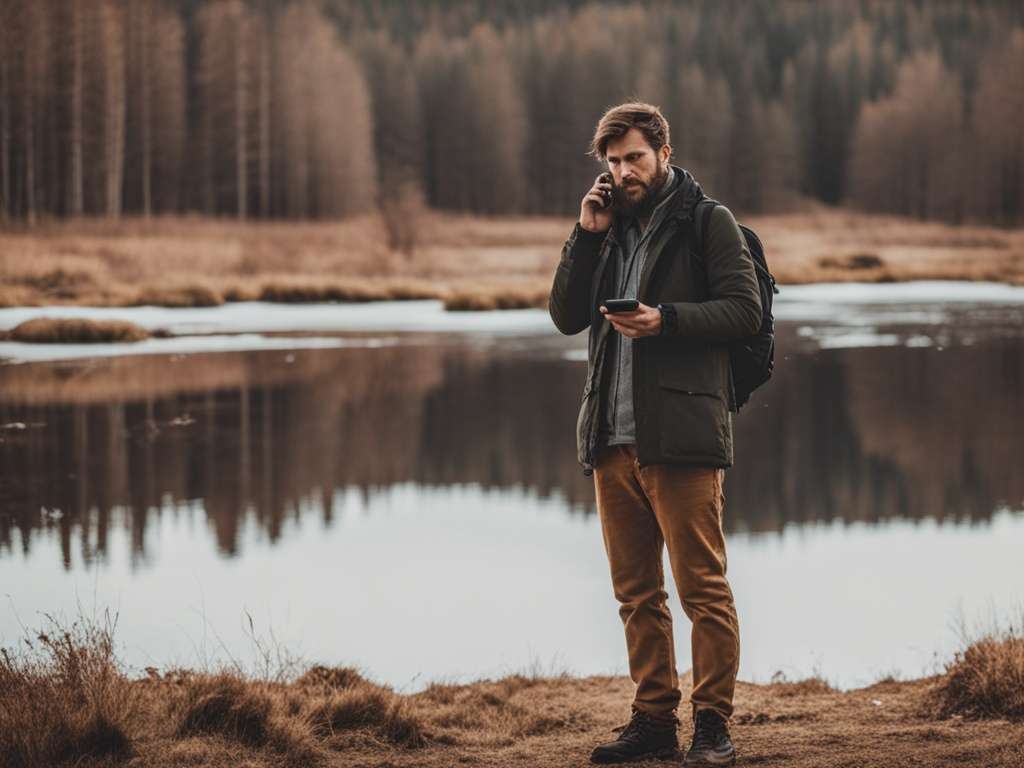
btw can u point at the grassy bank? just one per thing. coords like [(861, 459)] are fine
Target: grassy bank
[(66, 699), (470, 262), (67, 330)]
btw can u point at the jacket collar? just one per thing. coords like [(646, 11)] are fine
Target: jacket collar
[(688, 194)]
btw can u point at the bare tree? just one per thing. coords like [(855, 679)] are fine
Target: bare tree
[(326, 123), (997, 137), (76, 32), (112, 29), (397, 127), (167, 106), (908, 154)]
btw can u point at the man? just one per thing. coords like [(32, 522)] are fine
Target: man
[(655, 422)]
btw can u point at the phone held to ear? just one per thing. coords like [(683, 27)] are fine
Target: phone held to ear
[(615, 306), (607, 179)]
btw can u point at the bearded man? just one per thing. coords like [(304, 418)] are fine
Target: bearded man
[(655, 424)]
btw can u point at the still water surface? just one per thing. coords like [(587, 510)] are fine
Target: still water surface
[(414, 507)]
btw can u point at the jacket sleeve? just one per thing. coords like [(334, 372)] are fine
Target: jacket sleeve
[(734, 309), (569, 302)]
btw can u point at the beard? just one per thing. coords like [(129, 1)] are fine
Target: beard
[(643, 205)]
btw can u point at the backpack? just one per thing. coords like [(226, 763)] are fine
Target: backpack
[(752, 358)]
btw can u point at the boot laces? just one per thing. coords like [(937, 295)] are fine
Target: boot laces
[(708, 730), (639, 726)]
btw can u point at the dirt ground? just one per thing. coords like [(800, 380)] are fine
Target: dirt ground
[(555, 722), (469, 261)]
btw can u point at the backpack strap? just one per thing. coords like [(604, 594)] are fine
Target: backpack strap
[(702, 219)]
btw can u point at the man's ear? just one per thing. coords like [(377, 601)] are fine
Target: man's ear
[(666, 152)]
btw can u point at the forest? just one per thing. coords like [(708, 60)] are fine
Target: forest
[(297, 109)]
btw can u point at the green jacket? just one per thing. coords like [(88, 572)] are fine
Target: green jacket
[(682, 382)]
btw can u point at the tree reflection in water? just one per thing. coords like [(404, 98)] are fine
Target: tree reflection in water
[(853, 434)]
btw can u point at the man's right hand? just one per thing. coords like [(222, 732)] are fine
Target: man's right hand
[(595, 215)]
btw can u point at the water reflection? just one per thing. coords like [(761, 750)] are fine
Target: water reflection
[(848, 434)]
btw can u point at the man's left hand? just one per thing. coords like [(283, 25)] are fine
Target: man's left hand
[(642, 321)]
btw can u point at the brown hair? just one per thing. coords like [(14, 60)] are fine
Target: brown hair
[(616, 122)]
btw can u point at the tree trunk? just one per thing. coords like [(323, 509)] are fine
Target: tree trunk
[(76, 194), (5, 133), (241, 115), (145, 87), (264, 120), (114, 107)]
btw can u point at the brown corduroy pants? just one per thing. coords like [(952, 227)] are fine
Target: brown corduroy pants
[(642, 510)]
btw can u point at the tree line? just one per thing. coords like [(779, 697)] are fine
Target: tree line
[(306, 109)]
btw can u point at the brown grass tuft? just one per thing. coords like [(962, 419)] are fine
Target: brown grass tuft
[(352, 290), (63, 697), (59, 282), (499, 712), (179, 296), (347, 701), (852, 261), (331, 677), (985, 680), (70, 330), (809, 686), (483, 299), (258, 715), (299, 293), (367, 706), (226, 705)]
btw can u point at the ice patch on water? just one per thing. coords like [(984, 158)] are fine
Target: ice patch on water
[(858, 339), (919, 341), (832, 314), (918, 291), (263, 317), (12, 351)]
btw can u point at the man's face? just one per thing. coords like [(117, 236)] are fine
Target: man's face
[(637, 172)]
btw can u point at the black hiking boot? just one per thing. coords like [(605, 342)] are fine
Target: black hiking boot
[(643, 738), (711, 743)]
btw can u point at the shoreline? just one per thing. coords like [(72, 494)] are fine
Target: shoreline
[(334, 716), (845, 314), (470, 263)]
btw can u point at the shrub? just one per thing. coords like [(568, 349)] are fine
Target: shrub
[(984, 680), (179, 296), (70, 330), (63, 697)]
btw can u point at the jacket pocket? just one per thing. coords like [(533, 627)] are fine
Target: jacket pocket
[(694, 416)]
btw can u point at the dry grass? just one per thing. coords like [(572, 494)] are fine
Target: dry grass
[(63, 697), (485, 298), (178, 296), (476, 262), (986, 679), (65, 700), (70, 330), (808, 686), (354, 290), (252, 713)]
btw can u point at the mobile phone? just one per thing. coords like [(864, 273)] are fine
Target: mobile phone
[(614, 306), (607, 178)]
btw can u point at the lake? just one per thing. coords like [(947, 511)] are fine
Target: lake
[(395, 487)]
